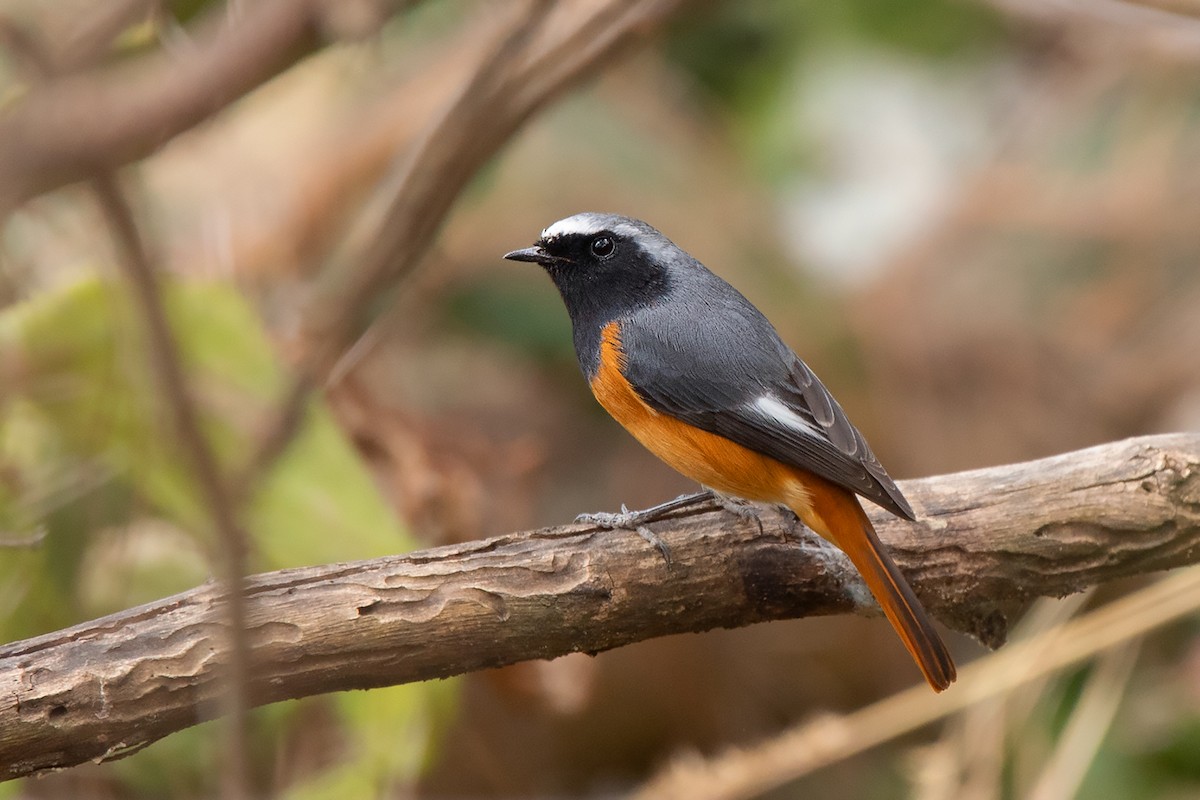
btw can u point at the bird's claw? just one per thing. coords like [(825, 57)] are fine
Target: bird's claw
[(626, 519), (742, 509), (636, 521)]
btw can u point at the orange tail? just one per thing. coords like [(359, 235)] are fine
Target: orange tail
[(837, 515)]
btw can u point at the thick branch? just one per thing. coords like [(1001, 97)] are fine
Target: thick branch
[(988, 542)]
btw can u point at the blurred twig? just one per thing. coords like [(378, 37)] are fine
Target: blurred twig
[(77, 124), (547, 48), (986, 541), (1171, 27), (809, 747), (1089, 724), (395, 246), (167, 365), (23, 539), (975, 744)]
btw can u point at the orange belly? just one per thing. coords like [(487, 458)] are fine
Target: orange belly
[(707, 458)]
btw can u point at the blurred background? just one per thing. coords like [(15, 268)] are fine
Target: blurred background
[(975, 219)]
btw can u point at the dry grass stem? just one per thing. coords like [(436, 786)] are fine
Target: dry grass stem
[(1088, 725), (747, 773)]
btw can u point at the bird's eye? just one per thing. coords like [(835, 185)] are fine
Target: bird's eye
[(603, 246)]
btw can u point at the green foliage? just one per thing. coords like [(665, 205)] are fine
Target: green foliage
[(382, 753), (88, 454), (499, 309), (740, 52), (1179, 756), (744, 53), (749, 58)]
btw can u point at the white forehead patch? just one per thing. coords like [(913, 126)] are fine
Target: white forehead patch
[(587, 224)]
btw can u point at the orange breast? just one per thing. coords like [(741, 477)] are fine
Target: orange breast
[(707, 458)]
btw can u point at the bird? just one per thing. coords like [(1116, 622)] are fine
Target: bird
[(700, 377)]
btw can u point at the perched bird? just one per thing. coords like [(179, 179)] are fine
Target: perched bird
[(700, 377)]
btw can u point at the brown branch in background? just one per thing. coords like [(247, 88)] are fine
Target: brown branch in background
[(74, 127), (544, 51), (387, 248), (987, 542), (1175, 8), (1168, 28), (88, 39), (167, 366), (79, 124)]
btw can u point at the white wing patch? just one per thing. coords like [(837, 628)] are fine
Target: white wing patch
[(776, 410)]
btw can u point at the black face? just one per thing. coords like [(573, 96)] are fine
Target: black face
[(601, 276), (576, 251)]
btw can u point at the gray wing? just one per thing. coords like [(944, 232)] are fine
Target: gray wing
[(719, 365)]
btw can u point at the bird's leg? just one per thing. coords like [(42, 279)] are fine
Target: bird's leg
[(742, 509), (629, 520), (636, 520)]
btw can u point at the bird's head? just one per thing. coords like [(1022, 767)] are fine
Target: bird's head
[(604, 261)]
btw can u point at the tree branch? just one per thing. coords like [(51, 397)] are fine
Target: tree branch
[(988, 541), (79, 124), (546, 49), (542, 52)]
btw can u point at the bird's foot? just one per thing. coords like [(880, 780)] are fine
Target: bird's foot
[(636, 520), (742, 509), (629, 520)]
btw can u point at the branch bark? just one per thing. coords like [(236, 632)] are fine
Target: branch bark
[(987, 542)]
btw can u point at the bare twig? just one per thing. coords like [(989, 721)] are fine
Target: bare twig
[(987, 542), (542, 52), (23, 539), (809, 747), (167, 365), (75, 125), (1088, 726), (1166, 27), (394, 246)]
